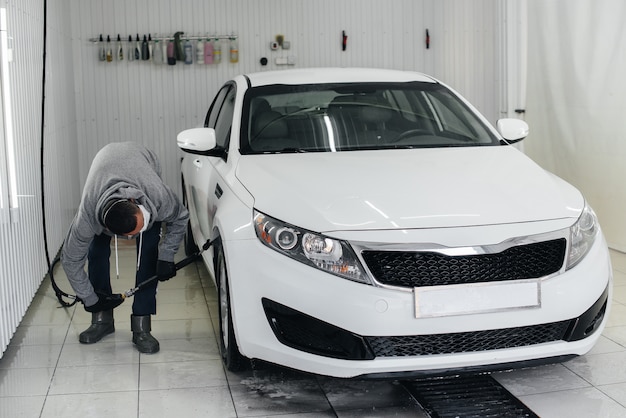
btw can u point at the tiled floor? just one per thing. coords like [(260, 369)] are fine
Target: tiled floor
[(45, 372)]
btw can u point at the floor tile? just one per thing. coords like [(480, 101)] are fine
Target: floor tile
[(202, 402), (600, 369), (92, 405), (588, 402), (179, 375), (180, 350), (40, 335), (100, 353), (21, 406), (93, 379), (362, 394), (394, 411), (25, 382), (544, 379), (30, 356)]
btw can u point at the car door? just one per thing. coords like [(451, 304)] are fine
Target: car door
[(202, 186)]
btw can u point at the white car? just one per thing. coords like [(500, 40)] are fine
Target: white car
[(372, 223)]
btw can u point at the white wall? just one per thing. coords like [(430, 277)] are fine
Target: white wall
[(143, 102), (577, 101), (22, 260)]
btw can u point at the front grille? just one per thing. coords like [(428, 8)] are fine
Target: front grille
[(416, 269), (460, 342)]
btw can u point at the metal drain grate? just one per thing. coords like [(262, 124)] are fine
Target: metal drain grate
[(466, 397)]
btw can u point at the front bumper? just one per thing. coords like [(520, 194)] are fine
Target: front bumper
[(290, 314)]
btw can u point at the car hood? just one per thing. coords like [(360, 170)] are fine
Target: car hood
[(406, 189)]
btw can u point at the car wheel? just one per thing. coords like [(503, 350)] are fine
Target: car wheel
[(232, 358)]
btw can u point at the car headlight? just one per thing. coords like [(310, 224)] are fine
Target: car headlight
[(327, 254), (582, 235)]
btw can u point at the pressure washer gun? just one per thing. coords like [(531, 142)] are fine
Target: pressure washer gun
[(193, 257)]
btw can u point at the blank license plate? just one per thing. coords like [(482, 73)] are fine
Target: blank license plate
[(476, 298)]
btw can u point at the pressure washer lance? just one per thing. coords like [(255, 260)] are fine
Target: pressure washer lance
[(193, 257)]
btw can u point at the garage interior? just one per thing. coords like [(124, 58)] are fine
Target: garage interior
[(558, 65)]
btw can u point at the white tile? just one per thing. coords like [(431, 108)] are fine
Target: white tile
[(183, 374), (588, 402), (184, 295), (195, 349), (616, 392), (39, 334), (181, 311), (616, 334), (619, 294), (606, 344), (619, 278), (600, 369), (21, 406), (30, 356), (618, 260), (100, 353), (617, 316), (92, 405), (182, 329), (187, 403), (92, 379), (549, 378), (396, 411), (25, 382)]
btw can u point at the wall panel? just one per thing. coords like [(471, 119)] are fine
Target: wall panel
[(22, 253), (150, 103)]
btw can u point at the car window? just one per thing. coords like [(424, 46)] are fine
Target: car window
[(216, 106), (225, 119), (357, 116)]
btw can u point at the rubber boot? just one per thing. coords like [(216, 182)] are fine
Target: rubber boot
[(143, 340), (101, 324)]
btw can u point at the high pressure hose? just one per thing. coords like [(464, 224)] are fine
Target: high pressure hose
[(59, 293)]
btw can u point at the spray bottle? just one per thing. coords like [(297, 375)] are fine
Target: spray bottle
[(200, 51), (102, 53), (234, 49), (188, 52), (120, 49), (217, 51), (208, 51), (157, 52), (145, 51), (109, 50), (171, 52), (138, 49), (131, 49)]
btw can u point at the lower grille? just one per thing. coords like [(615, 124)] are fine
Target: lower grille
[(419, 345), (416, 269)]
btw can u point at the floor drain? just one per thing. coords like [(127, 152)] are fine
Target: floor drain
[(466, 397)]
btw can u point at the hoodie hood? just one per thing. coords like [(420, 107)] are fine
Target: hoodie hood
[(406, 189)]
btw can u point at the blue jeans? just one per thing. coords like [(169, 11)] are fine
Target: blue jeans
[(99, 266)]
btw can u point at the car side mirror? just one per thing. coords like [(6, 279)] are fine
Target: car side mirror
[(512, 130), (199, 141)]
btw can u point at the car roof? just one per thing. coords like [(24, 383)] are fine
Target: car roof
[(334, 75)]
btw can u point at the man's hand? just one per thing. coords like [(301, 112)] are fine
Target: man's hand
[(105, 302), (165, 270)]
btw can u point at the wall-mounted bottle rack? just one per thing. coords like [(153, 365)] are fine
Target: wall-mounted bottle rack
[(188, 49)]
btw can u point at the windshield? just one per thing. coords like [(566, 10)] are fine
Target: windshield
[(349, 117)]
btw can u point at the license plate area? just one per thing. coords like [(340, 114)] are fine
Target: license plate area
[(474, 298)]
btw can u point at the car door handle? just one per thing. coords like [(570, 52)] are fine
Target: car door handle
[(218, 191), (197, 163)]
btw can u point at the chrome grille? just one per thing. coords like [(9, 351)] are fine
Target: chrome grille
[(416, 268)]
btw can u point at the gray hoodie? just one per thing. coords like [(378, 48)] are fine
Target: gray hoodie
[(125, 170)]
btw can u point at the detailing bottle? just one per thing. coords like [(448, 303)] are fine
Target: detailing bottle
[(145, 51), (217, 51), (109, 49), (138, 48), (157, 52), (200, 51), (171, 52), (131, 49), (102, 53), (150, 47), (188, 52), (120, 49), (234, 50), (208, 51)]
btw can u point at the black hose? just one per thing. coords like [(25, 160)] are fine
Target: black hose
[(59, 293)]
